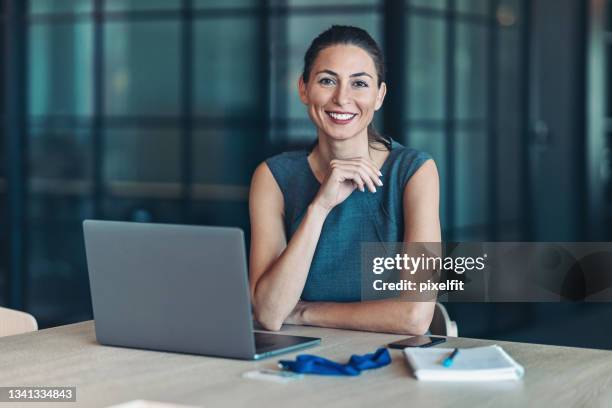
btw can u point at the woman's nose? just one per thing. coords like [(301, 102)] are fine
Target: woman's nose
[(342, 95)]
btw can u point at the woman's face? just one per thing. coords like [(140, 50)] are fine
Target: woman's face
[(342, 92)]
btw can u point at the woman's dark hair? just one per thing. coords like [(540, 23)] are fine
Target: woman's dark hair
[(348, 35)]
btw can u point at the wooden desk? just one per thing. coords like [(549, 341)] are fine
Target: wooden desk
[(69, 356)]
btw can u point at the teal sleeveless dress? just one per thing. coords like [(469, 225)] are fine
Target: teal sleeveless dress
[(335, 271)]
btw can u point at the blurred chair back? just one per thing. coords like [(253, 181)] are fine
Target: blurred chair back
[(441, 323), (16, 322)]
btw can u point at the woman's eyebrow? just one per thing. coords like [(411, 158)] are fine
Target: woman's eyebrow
[(327, 71), (357, 74)]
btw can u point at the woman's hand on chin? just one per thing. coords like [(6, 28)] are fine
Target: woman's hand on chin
[(344, 176)]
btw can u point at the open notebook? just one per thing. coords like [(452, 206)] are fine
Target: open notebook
[(488, 363)]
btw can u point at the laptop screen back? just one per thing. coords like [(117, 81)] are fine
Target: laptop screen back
[(170, 287)]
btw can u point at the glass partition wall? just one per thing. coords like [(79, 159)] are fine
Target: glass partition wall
[(160, 110)]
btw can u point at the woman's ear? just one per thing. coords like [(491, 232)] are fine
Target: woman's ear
[(380, 97), (302, 90)]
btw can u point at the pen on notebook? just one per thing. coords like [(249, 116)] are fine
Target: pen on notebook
[(448, 361)]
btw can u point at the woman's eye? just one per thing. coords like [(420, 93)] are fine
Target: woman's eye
[(326, 81), (360, 84)]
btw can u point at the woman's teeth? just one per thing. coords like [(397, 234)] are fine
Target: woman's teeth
[(341, 116)]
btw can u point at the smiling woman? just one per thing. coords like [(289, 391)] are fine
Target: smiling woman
[(307, 219), (328, 92), (361, 47)]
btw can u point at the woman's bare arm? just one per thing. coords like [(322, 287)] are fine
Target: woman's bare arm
[(384, 316), (278, 272)]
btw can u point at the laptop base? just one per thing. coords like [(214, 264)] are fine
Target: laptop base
[(268, 345)]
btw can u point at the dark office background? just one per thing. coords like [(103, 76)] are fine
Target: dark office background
[(159, 110)]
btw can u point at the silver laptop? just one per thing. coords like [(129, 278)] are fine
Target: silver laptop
[(175, 288)]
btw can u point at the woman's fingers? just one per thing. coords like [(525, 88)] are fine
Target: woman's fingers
[(370, 166), (367, 172), (362, 176), (355, 178), (369, 179), (368, 163)]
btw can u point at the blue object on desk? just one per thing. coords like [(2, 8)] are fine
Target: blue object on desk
[(448, 361), (309, 364)]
